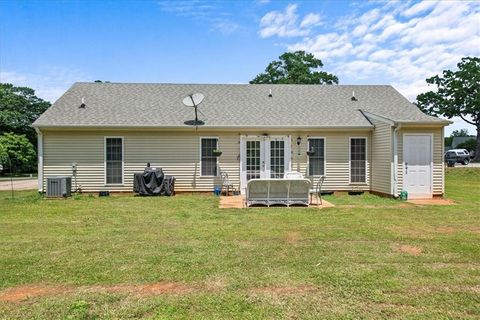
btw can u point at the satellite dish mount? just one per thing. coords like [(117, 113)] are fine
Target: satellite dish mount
[(194, 100)]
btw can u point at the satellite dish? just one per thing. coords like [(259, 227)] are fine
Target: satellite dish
[(193, 100)]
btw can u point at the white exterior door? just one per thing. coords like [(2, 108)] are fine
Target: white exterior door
[(263, 157), (417, 165)]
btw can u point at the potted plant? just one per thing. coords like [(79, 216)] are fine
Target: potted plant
[(217, 153), (311, 152)]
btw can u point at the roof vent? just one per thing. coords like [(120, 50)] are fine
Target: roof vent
[(270, 93), (82, 106), (353, 96)]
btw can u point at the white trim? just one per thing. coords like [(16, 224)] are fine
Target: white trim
[(105, 160), (443, 161), (264, 155), (324, 157), (431, 158), (40, 159), (200, 154), (350, 160), (378, 118)]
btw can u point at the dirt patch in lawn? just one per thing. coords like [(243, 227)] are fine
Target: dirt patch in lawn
[(284, 290), (20, 293), (445, 230), (411, 250), (293, 237), (23, 292)]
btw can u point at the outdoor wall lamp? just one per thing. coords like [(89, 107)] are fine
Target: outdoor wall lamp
[(299, 140)]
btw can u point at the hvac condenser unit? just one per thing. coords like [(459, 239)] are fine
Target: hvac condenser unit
[(58, 187)]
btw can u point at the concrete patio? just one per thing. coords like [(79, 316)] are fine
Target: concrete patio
[(238, 202)]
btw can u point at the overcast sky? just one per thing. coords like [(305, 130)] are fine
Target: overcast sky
[(49, 45)]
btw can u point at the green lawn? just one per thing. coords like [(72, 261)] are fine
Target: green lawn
[(182, 257)]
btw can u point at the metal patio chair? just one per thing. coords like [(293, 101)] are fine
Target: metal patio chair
[(226, 184), (318, 190)]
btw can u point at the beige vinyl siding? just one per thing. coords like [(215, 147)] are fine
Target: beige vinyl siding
[(178, 153), (381, 157), (438, 169), (337, 157)]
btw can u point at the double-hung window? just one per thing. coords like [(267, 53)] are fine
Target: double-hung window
[(207, 158), (113, 160), (358, 160), (316, 157)]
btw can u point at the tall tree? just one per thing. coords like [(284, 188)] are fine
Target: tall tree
[(296, 68), (19, 107), (457, 95), (16, 150)]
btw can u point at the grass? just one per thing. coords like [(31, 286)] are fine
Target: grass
[(88, 257)]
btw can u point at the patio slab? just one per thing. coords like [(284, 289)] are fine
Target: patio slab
[(238, 202), (432, 201)]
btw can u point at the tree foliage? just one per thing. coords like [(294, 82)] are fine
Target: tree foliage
[(470, 145), (460, 133), (295, 68), (19, 107), (457, 95), (18, 151)]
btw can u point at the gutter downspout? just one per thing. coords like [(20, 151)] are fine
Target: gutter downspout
[(40, 159), (395, 160)]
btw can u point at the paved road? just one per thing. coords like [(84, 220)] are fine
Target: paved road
[(470, 165), (29, 184)]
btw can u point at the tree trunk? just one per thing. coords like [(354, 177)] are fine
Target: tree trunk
[(477, 149)]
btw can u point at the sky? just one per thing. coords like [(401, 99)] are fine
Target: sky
[(49, 45)]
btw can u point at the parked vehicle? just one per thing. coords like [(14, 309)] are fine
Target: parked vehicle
[(453, 156)]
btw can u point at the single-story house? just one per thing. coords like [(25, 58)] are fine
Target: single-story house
[(361, 137)]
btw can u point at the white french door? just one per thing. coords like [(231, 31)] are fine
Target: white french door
[(417, 165), (263, 157)]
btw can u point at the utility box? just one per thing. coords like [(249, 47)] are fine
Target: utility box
[(59, 187)]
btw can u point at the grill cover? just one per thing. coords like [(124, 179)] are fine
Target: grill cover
[(153, 183)]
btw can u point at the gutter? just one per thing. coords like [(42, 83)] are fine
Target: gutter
[(40, 159)]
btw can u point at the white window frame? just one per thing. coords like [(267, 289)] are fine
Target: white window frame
[(350, 160), (200, 155), (324, 156), (105, 160)]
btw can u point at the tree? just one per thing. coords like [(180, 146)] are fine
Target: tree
[(470, 145), (19, 107), (459, 133), (17, 151), (457, 95), (295, 68)]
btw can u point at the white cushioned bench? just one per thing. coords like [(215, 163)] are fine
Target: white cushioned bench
[(277, 192)]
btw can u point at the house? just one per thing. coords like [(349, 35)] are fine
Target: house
[(362, 137)]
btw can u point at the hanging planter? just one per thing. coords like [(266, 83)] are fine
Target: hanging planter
[(311, 152), (217, 153)]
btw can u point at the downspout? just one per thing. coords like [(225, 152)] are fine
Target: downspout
[(40, 159), (395, 159)]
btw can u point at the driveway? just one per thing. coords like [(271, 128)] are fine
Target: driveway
[(29, 184)]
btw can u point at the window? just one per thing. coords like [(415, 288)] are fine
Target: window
[(114, 160), (316, 161), (358, 160), (277, 158), (208, 160)]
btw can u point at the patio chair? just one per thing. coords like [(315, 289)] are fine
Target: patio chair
[(226, 184), (292, 175), (318, 190)]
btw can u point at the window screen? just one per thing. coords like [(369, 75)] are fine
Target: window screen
[(316, 161), (209, 161), (358, 159), (114, 160), (277, 159)]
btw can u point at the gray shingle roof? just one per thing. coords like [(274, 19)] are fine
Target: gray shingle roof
[(225, 105)]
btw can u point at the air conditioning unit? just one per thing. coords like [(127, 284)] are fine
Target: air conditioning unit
[(59, 187)]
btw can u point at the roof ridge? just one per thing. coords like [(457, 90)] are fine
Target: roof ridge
[(235, 84)]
